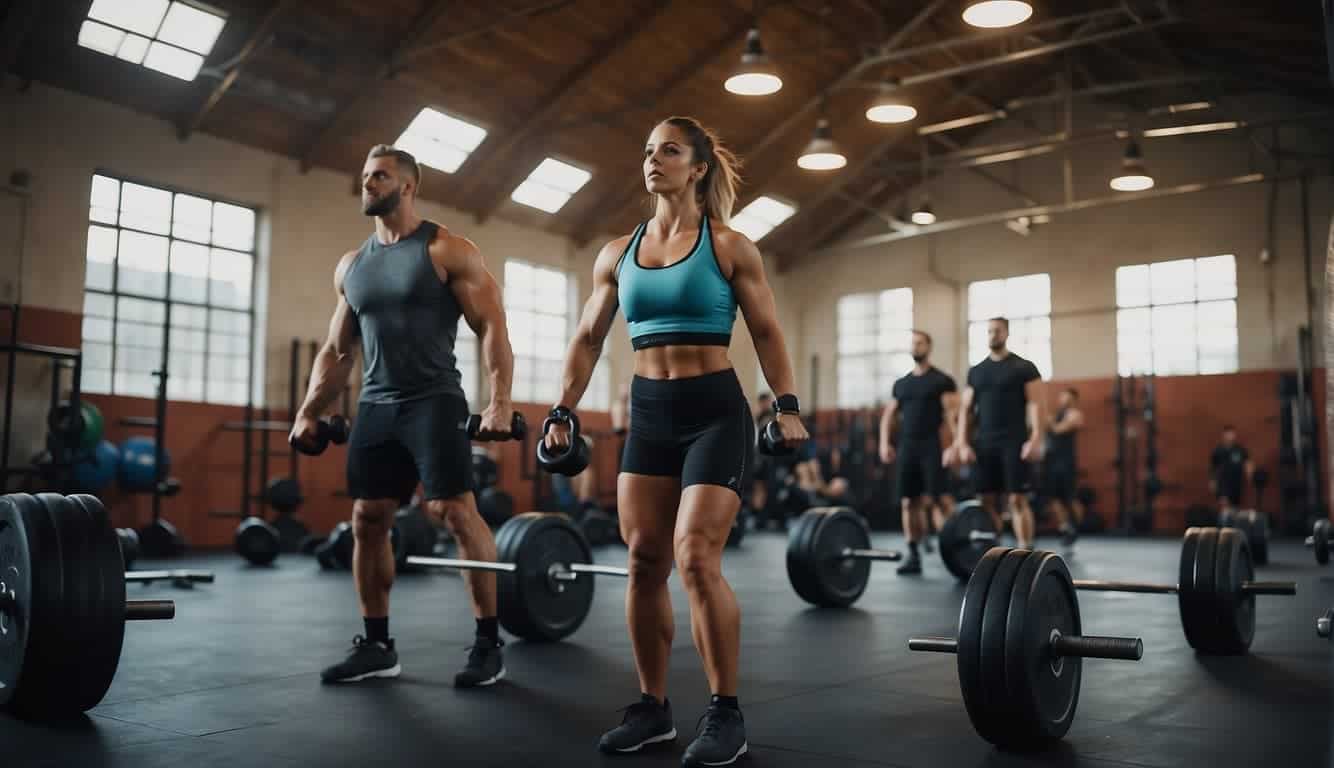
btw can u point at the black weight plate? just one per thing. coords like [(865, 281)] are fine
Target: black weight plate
[(291, 532), (99, 607), (1235, 617), (1258, 538), (1320, 535), (1044, 690), (959, 552), (837, 582), (969, 658), (16, 564), (129, 545), (532, 605), (257, 541), (284, 495), (799, 574), (160, 539), (1197, 592), (996, 700), (1187, 602)]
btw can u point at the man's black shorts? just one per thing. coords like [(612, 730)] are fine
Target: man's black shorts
[(918, 468), (1058, 482), (393, 446), (999, 467)]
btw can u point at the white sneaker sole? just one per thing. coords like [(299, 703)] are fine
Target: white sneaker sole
[(490, 681), (669, 736), (393, 671), (744, 746)]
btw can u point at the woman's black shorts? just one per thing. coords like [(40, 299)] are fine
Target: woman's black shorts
[(698, 429)]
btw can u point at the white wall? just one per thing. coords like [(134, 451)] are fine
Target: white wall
[(1081, 252)]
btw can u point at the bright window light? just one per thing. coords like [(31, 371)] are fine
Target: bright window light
[(440, 141), (168, 37), (761, 217), (550, 185)]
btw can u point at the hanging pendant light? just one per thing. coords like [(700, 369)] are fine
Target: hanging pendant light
[(755, 75), (997, 14), (924, 215), (1134, 176), (887, 108), (822, 153)]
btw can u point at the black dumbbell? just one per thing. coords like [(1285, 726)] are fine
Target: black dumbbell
[(574, 459), (333, 430), (518, 427), (772, 443), (257, 541)]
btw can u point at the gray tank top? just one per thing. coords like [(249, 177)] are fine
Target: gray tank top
[(409, 320)]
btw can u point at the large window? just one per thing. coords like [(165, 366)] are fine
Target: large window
[(1177, 317), (1026, 302), (539, 310), (874, 344), (152, 251), (467, 354)]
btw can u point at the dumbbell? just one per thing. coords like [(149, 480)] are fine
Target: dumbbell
[(1215, 591), (257, 541), (58, 655), (1020, 648), (1319, 540), (334, 430), (518, 427)]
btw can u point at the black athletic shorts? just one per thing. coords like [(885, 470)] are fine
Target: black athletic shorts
[(999, 467), (918, 468), (1058, 482), (698, 429), (393, 446), (1230, 491)]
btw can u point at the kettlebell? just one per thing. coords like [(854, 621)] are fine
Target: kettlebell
[(572, 460)]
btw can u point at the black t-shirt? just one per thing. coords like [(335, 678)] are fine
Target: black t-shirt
[(1229, 464), (919, 403), (1060, 447), (998, 390)]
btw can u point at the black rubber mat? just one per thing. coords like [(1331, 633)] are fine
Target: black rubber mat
[(233, 681)]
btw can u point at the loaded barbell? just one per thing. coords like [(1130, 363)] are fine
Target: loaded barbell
[(1215, 590), (1019, 648), (829, 555), (62, 604)]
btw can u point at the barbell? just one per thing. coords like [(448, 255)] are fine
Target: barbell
[(1215, 590), (1020, 646), (62, 604), (829, 556)]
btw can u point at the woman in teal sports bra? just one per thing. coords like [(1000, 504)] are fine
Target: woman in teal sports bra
[(680, 278)]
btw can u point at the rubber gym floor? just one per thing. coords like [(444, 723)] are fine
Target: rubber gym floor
[(233, 680)]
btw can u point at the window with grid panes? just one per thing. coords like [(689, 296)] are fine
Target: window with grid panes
[(152, 250), (1177, 317), (874, 344), (539, 309), (1026, 302)]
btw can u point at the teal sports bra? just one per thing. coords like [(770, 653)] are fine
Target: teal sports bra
[(689, 302)]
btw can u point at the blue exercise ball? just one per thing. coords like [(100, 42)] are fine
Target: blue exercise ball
[(138, 464), (95, 471)]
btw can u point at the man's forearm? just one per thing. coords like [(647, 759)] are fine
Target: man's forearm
[(328, 377), (1035, 418), (499, 359)]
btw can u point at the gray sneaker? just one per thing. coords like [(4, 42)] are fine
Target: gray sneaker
[(645, 723), (722, 740), (368, 659)]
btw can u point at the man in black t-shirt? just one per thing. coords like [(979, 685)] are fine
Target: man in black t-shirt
[(1230, 470), (1008, 392), (924, 398), (1060, 465)]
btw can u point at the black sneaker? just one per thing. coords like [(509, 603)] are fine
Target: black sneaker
[(722, 740), (1069, 535), (368, 658), (645, 723), (485, 665), (910, 565)]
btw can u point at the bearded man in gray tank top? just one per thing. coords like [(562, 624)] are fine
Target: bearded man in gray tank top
[(400, 296)]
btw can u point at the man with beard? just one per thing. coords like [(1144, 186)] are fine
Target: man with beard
[(924, 397), (400, 296), (1008, 392)]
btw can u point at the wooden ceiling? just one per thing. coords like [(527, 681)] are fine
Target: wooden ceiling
[(585, 80)]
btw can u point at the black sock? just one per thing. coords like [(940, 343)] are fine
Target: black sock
[(377, 630), (488, 629), (725, 701), (912, 549)]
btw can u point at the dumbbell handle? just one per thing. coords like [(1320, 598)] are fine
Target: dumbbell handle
[(199, 577), (870, 554), (1084, 646), (1247, 587), (135, 610)]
